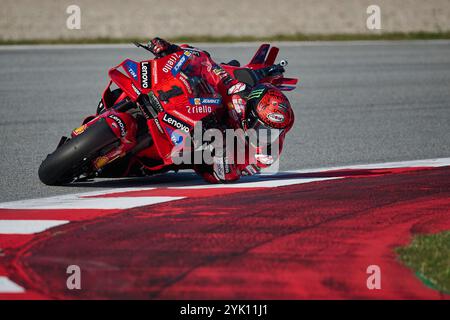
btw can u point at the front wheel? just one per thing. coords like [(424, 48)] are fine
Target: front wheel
[(75, 157)]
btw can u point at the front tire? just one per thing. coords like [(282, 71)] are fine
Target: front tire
[(74, 157)]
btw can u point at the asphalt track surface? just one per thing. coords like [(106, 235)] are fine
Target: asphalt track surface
[(359, 102)]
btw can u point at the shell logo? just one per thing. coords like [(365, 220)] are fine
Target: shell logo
[(100, 162), (79, 130)]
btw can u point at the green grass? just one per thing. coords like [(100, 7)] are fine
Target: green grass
[(212, 39), (429, 257)]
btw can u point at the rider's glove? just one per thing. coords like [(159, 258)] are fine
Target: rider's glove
[(236, 112), (160, 47), (224, 170)]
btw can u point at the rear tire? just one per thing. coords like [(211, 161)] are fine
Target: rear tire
[(74, 157)]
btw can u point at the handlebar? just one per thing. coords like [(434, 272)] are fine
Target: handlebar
[(278, 68), (140, 45), (270, 71), (283, 63)]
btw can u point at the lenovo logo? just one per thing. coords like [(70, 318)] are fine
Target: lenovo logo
[(145, 79), (176, 123)]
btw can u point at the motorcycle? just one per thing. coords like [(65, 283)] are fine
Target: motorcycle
[(157, 106)]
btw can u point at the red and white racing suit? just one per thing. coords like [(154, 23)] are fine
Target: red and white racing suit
[(233, 95)]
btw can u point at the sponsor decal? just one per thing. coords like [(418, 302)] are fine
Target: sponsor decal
[(238, 87), (119, 123), (166, 95), (239, 105), (226, 165), (207, 101), (145, 112), (199, 109), (155, 102), (194, 51), (145, 78), (185, 81), (175, 136), (131, 68), (255, 94), (219, 169), (170, 63), (264, 159), (100, 162), (149, 112), (154, 72), (79, 130), (184, 58), (251, 169), (219, 72), (275, 117), (158, 125), (176, 123), (136, 90)]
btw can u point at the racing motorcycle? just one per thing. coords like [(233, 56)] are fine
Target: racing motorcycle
[(155, 106)]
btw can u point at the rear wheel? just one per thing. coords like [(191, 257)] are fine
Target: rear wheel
[(75, 156)]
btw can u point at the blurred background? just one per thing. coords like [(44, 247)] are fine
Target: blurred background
[(28, 20)]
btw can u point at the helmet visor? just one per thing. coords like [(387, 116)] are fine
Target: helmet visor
[(262, 134)]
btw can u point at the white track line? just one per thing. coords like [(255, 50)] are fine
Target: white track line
[(269, 183), (440, 162), (268, 180), (28, 226), (77, 202), (7, 286), (6, 205)]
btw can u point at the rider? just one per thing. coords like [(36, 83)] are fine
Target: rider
[(262, 107)]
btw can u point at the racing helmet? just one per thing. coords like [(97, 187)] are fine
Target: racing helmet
[(268, 112)]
